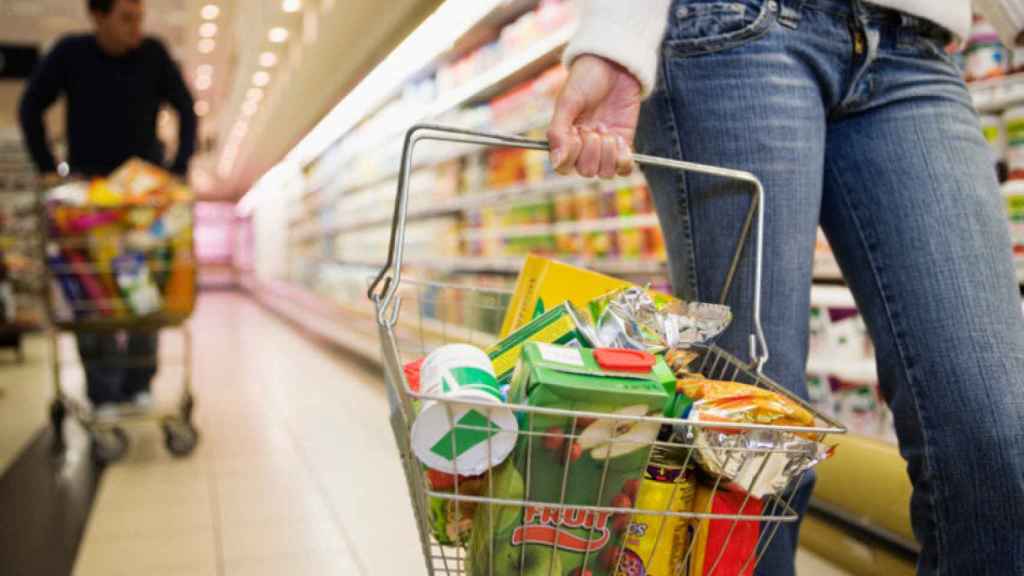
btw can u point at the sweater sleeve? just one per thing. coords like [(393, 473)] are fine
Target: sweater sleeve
[(626, 32), (176, 93), (45, 86)]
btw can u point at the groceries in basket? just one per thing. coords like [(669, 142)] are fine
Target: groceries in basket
[(759, 461), (451, 520), (543, 284), (725, 546), (563, 324), (656, 544), (121, 247), (469, 428), (642, 319), (573, 460)]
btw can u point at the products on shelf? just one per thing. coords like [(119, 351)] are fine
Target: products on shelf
[(1013, 193), (121, 247), (985, 56), (1013, 120)]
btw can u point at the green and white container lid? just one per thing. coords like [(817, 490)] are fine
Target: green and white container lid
[(459, 438)]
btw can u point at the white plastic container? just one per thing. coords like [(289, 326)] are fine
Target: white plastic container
[(456, 438)]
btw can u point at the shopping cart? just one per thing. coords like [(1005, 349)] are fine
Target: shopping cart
[(451, 313), (113, 269)]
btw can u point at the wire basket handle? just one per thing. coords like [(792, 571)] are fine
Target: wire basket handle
[(384, 288)]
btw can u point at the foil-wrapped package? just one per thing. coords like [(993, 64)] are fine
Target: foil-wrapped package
[(639, 319), (759, 462)]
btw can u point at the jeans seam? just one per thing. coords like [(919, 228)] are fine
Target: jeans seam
[(683, 203), (900, 350)]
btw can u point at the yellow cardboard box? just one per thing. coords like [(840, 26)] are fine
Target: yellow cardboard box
[(544, 284)]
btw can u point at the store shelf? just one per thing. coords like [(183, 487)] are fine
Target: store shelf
[(511, 70), (856, 552), (354, 327), (316, 316), (578, 227), (512, 265), (506, 197), (866, 484), (997, 94), (861, 371), (832, 297)]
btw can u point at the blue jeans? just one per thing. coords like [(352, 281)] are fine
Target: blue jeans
[(855, 119), (116, 373)]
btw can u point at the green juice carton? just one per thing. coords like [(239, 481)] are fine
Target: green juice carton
[(559, 462)]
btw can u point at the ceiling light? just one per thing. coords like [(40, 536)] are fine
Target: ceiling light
[(207, 45), (261, 78), (207, 29), (254, 95), (203, 82), (250, 108), (204, 70), (202, 108), (277, 35), (291, 5), (210, 12), (268, 59)]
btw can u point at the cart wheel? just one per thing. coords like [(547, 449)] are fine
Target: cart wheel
[(180, 437), (109, 445), (57, 414)]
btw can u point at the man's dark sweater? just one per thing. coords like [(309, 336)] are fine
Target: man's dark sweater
[(111, 108)]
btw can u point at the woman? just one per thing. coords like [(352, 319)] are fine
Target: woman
[(856, 119)]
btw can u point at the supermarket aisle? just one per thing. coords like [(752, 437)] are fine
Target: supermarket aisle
[(295, 462)]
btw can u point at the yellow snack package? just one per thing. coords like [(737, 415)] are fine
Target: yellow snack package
[(544, 284), (736, 402)]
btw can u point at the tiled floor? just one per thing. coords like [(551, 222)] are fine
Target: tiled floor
[(296, 473), (25, 391)]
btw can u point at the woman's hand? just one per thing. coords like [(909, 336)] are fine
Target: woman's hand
[(595, 119)]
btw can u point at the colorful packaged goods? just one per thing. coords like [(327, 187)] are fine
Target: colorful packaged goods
[(642, 319), (604, 457), (725, 546), (121, 247), (458, 438), (544, 284), (451, 520), (564, 325), (738, 455), (656, 544)]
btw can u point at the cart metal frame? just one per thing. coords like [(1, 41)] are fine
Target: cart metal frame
[(108, 439)]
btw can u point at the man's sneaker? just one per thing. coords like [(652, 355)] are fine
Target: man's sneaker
[(143, 401), (107, 412)]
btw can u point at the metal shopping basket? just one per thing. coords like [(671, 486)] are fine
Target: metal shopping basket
[(91, 252), (542, 515)]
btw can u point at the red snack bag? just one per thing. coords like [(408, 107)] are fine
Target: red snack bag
[(714, 535)]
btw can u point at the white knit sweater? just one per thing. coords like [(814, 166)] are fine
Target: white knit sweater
[(629, 31)]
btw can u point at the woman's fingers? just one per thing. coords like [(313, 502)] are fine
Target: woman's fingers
[(624, 164), (589, 161)]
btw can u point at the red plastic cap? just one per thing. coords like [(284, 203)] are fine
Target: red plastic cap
[(623, 360), (412, 374)]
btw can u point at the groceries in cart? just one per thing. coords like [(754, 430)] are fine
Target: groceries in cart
[(120, 248), (595, 438)]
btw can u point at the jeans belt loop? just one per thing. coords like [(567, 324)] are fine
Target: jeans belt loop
[(790, 12)]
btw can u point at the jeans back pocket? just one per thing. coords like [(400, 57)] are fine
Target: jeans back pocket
[(704, 26)]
